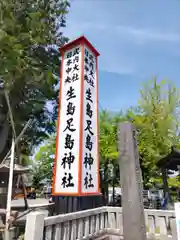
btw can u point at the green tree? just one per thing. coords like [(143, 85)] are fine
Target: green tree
[(108, 150), (157, 123), (108, 140), (30, 32), (44, 160)]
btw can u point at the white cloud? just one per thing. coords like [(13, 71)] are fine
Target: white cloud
[(134, 33), (75, 29), (110, 62), (120, 57), (148, 34)]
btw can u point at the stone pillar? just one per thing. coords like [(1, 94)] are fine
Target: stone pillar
[(34, 226), (131, 183)]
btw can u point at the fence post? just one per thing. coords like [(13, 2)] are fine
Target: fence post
[(34, 226), (174, 230)]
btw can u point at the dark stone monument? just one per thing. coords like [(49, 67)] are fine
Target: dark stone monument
[(131, 184)]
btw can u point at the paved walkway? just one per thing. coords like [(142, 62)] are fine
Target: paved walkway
[(31, 202)]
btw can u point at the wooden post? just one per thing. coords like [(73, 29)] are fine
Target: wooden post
[(9, 196), (165, 185), (25, 193), (34, 226), (131, 185)]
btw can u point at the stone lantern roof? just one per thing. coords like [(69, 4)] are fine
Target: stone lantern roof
[(18, 169)]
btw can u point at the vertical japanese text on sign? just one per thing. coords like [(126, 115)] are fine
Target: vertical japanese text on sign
[(90, 172), (68, 148)]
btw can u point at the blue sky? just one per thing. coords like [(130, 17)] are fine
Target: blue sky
[(136, 39)]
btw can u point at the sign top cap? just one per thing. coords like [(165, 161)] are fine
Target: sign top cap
[(77, 41)]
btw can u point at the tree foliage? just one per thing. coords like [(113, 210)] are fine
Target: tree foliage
[(29, 67), (156, 120), (157, 123), (44, 160), (107, 136)]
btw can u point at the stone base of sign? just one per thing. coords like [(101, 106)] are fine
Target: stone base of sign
[(64, 204)]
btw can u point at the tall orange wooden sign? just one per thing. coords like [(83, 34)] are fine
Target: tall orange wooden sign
[(76, 170)]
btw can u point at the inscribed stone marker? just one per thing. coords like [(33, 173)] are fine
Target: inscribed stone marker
[(131, 184)]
